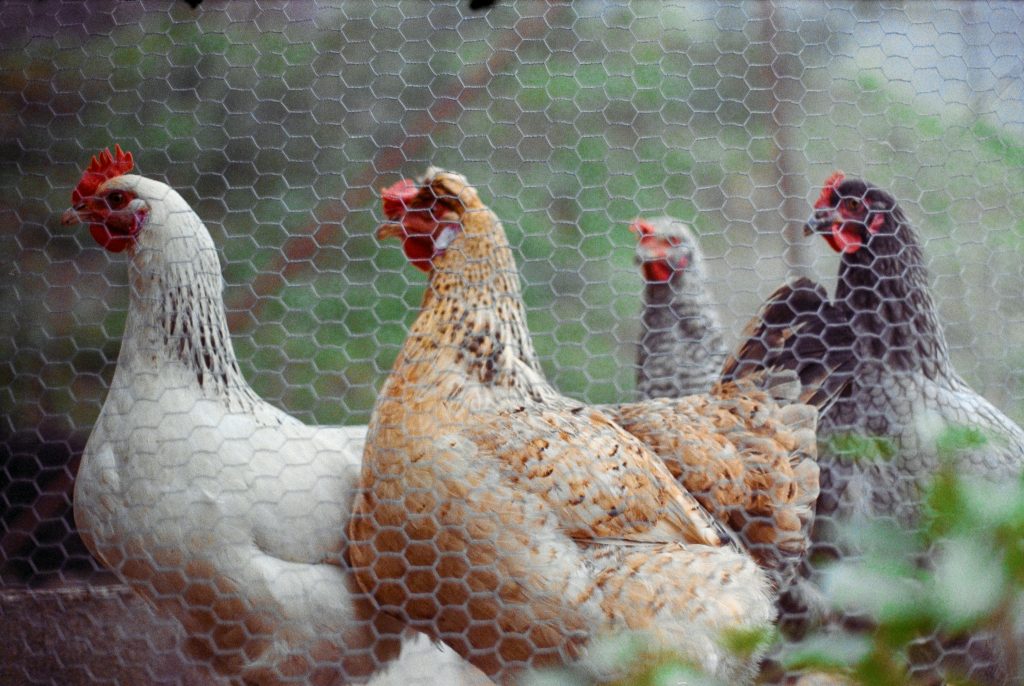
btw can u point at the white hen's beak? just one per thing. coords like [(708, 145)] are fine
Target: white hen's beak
[(72, 216)]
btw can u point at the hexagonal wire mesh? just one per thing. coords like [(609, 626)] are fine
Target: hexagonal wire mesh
[(278, 123)]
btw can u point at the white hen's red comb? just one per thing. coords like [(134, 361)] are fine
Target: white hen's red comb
[(102, 167)]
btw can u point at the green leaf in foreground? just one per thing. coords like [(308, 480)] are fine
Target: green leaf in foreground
[(747, 642), (855, 448), (954, 439)]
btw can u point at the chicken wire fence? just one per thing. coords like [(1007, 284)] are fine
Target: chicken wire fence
[(280, 122)]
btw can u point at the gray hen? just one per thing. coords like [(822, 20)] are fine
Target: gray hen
[(681, 347)]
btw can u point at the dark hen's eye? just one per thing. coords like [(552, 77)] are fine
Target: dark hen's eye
[(116, 200), (851, 204)]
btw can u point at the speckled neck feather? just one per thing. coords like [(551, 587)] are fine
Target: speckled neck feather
[(681, 347), (473, 319), (177, 313)]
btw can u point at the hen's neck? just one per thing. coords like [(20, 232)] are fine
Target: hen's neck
[(891, 309), (681, 347), (473, 320), (176, 320)]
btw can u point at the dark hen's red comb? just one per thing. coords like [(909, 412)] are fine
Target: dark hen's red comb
[(831, 183), (102, 167)]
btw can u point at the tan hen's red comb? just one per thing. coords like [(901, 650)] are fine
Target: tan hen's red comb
[(831, 183), (102, 167)]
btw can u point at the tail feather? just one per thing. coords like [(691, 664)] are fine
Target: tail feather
[(797, 331)]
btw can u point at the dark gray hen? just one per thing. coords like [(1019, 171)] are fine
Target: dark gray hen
[(881, 342), (879, 345)]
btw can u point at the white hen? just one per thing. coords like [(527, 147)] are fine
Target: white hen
[(212, 504)]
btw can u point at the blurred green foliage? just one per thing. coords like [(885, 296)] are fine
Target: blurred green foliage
[(960, 574), (623, 660), (854, 447)]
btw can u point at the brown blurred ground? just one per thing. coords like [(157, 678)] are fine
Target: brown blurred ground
[(88, 635), (92, 635)]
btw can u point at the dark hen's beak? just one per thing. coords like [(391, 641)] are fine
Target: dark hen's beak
[(820, 222)]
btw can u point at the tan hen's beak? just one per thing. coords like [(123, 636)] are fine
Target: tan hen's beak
[(390, 230)]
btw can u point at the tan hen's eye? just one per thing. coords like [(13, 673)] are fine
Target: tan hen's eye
[(851, 204)]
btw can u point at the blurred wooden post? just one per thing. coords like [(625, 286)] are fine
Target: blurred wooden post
[(780, 51)]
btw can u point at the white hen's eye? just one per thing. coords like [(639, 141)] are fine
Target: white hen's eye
[(116, 200)]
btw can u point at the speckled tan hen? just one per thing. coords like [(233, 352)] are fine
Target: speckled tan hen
[(505, 519)]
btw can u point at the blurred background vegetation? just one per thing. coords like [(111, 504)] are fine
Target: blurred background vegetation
[(280, 121)]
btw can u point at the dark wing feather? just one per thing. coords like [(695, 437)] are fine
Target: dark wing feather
[(798, 329)]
